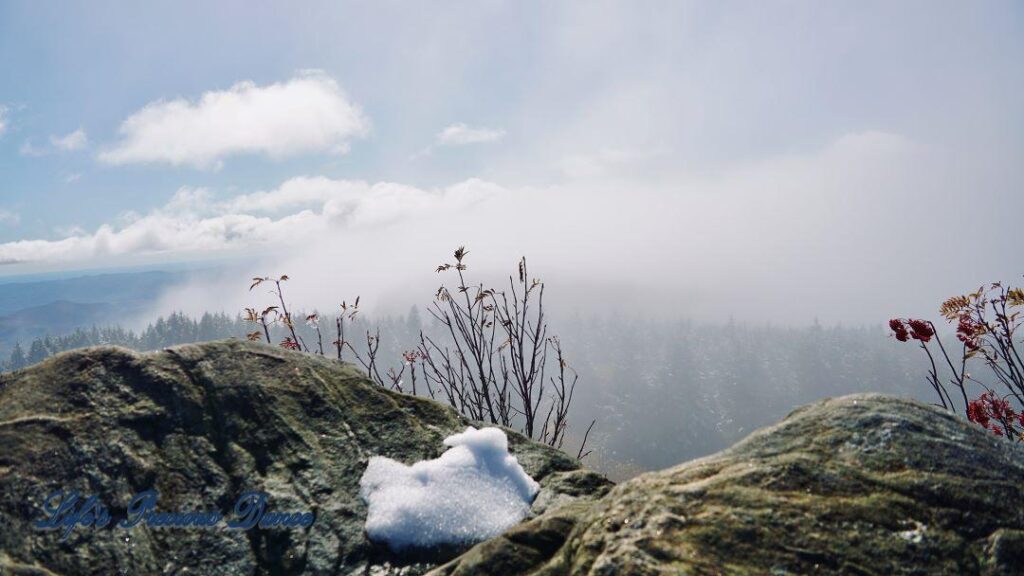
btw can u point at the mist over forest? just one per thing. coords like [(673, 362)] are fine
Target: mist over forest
[(661, 390)]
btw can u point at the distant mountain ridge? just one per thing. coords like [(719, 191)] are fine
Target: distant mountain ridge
[(37, 308), (98, 288), (60, 317)]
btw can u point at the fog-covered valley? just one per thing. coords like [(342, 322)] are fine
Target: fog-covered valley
[(661, 390)]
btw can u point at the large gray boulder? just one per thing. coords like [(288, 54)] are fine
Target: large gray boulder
[(865, 484), (202, 424)]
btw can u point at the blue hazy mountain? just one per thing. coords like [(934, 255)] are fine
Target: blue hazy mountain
[(37, 306), (56, 318), (119, 287)]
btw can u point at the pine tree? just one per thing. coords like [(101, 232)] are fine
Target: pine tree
[(413, 323), (37, 352), (18, 360)]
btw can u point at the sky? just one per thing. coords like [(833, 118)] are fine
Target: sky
[(774, 161)]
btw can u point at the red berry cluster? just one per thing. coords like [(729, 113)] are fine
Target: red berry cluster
[(911, 328), (995, 414), (969, 331)]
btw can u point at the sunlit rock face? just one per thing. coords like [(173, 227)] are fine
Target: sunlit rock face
[(203, 424), (863, 484)]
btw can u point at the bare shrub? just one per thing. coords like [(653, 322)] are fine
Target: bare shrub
[(494, 360)]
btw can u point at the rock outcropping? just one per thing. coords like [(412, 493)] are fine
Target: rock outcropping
[(202, 424), (858, 485), (865, 485)]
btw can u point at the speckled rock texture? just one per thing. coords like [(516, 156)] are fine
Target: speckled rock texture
[(202, 424), (864, 484)]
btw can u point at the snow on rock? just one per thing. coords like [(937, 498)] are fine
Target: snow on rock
[(474, 491)]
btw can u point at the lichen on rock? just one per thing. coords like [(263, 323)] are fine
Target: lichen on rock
[(864, 484), (202, 424)]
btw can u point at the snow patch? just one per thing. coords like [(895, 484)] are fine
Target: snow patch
[(474, 491)]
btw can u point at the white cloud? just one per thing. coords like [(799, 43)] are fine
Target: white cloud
[(189, 201), (29, 149), (461, 135), (9, 218), (4, 113), (359, 202), (76, 140), (73, 141), (780, 238), (308, 113), (300, 209)]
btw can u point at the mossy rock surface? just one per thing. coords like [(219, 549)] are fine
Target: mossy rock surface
[(864, 484), (203, 424)]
